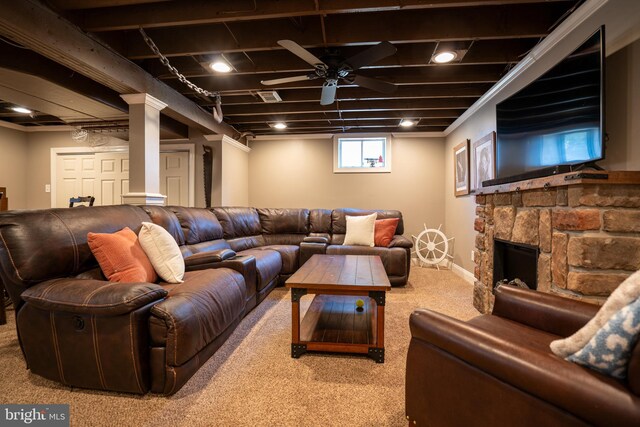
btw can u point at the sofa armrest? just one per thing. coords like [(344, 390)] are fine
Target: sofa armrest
[(308, 249), (399, 241), (208, 257), (550, 313), (316, 239), (596, 398), (243, 264), (97, 297)]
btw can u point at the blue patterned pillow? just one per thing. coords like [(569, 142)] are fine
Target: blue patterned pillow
[(610, 348)]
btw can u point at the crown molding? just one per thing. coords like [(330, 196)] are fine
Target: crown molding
[(143, 98), (228, 140)]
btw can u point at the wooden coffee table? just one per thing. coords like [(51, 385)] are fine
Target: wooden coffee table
[(332, 322)]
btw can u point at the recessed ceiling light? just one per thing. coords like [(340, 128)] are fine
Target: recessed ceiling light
[(220, 66), (280, 125), (405, 123), (444, 57), (21, 110)]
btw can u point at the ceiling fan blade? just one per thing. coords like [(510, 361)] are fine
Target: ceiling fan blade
[(300, 52), (377, 85), (285, 80), (371, 55), (328, 93)]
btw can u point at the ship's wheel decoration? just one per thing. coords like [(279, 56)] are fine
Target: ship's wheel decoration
[(432, 246)]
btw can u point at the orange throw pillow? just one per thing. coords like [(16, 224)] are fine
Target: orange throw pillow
[(121, 257), (384, 231)]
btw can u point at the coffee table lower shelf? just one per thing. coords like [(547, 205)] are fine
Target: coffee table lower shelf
[(334, 324)]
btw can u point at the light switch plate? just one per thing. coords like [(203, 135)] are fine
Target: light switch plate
[(47, 188)]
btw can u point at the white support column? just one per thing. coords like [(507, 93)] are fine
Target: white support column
[(144, 150)]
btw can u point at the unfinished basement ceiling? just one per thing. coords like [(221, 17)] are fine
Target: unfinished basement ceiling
[(490, 37)]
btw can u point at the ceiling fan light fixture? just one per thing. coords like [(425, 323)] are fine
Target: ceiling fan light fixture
[(406, 123), (220, 66), (444, 57), (21, 110), (278, 125)]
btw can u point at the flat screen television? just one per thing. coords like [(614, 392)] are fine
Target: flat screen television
[(555, 124)]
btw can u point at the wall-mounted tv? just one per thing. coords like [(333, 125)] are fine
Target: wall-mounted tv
[(556, 123)]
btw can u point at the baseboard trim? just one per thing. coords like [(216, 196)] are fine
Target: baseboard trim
[(466, 275)]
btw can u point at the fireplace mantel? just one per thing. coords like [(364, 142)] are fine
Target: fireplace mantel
[(566, 179), (586, 228)]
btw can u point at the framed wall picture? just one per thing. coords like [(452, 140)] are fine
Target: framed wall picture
[(461, 168), (484, 159)]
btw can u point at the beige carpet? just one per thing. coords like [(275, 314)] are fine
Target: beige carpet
[(253, 381)]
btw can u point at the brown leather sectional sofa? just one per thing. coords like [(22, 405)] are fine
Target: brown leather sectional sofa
[(81, 330)]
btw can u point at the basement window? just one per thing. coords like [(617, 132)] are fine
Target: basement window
[(362, 154)]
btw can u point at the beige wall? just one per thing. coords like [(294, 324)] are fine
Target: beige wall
[(299, 173), (13, 166), (39, 163), (622, 125), (40, 144), (623, 109), (234, 178)]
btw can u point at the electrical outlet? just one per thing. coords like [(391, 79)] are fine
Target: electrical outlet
[(47, 188), (473, 256)]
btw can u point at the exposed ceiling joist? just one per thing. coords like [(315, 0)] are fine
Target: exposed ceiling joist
[(314, 107), (408, 55), (489, 38), (473, 23), (171, 14), (33, 25)]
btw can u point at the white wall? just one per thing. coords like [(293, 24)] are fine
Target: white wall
[(298, 173), (13, 166)]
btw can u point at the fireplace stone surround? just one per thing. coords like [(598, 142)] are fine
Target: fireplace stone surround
[(585, 225)]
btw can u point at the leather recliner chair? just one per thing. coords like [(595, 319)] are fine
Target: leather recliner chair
[(498, 370)]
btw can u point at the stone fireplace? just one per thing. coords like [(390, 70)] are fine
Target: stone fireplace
[(586, 232)]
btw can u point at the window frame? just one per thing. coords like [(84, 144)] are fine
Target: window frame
[(336, 154)]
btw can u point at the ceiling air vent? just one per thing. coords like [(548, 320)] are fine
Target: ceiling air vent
[(269, 96)]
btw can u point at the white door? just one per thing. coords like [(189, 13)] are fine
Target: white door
[(174, 177), (76, 176), (112, 180), (105, 176)]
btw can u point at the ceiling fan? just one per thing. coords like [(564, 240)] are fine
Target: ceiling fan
[(333, 67)]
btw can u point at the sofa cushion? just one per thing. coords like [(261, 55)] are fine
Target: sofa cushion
[(121, 257), (163, 252), (238, 222), (52, 243), (393, 259), (268, 265), (198, 224), (165, 218), (320, 221), (196, 312), (360, 230), (290, 255), (284, 221)]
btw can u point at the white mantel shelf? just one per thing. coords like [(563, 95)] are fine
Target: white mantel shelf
[(565, 179)]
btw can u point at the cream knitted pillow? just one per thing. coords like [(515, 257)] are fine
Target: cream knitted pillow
[(625, 294)]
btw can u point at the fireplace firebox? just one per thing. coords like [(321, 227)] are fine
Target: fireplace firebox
[(513, 261)]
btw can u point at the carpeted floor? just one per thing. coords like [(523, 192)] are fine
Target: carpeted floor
[(253, 381)]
